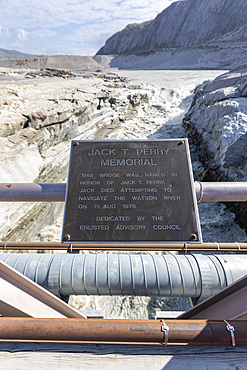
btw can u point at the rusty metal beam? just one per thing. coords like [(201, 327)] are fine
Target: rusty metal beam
[(205, 192), (180, 247), (196, 332)]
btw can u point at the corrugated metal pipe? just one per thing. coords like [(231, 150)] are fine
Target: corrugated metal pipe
[(197, 276), (196, 332), (205, 192)]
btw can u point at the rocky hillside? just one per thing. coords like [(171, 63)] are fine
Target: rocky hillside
[(183, 24), (217, 121), (211, 31)]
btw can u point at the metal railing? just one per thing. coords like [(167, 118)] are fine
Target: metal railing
[(176, 247), (42, 192), (196, 332), (205, 192)]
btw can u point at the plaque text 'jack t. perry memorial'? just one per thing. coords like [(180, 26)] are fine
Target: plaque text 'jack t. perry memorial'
[(130, 191)]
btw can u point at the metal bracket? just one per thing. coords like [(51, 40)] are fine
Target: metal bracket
[(70, 250), (165, 329), (201, 191), (218, 246), (231, 329), (238, 246)]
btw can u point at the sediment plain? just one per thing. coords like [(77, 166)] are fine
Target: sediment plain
[(42, 110)]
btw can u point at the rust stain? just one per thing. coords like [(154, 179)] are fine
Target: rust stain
[(8, 186)]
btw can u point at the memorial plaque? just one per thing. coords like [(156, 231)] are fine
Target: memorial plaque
[(130, 192)]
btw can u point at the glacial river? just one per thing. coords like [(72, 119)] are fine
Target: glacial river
[(217, 221)]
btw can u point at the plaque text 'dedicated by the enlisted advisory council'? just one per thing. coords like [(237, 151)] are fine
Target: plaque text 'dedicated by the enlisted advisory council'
[(130, 191)]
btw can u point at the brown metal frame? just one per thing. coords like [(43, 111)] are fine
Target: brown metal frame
[(20, 296), (196, 332), (179, 247), (230, 303)]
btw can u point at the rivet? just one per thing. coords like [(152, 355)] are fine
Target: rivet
[(193, 237), (66, 237)]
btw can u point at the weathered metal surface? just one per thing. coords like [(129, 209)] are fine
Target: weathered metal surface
[(205, 192), (20, 296), (221, 191), (199, 332), (230, 304), (197, 276), (180, 247), (131, 191)]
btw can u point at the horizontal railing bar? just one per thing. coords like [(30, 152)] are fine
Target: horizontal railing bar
[(32, 192), (221, 191), (38, 192), (179, 247), (196, 332)]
